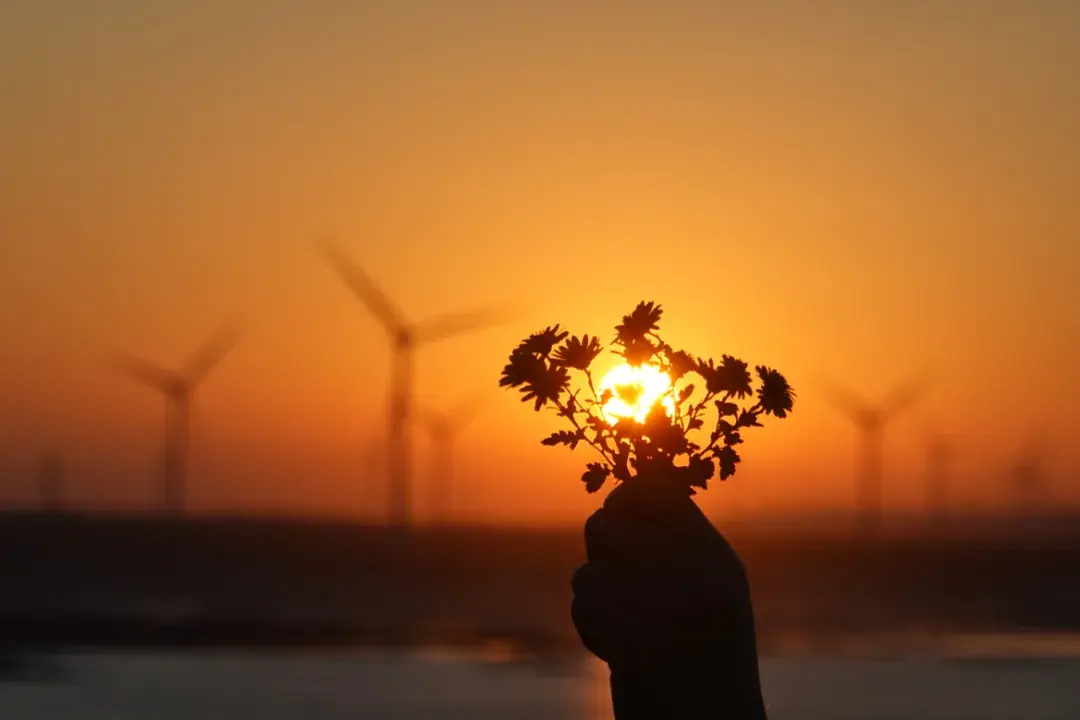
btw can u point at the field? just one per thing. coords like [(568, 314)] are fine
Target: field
[(129, 581)]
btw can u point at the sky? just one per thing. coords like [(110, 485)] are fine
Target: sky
[(851, 192)]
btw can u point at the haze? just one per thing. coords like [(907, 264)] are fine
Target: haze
[(842, 190)]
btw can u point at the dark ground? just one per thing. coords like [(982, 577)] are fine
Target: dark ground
[(121, 581)]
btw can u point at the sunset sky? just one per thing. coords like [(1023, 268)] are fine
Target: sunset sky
[(849, 191)]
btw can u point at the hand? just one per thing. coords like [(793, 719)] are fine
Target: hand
[(649, 597), (664, 600)]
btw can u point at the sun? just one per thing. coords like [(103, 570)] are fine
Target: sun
[(634, 391)]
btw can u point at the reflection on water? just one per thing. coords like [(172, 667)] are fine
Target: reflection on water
[(497, 682)]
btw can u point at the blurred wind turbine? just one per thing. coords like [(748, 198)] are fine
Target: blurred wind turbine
[(374, 461), (939, 452), (870, 421), (444, 429), (178, 387), (1027, 472), (405, 336)]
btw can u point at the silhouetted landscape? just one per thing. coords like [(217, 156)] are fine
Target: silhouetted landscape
[(88, 581)]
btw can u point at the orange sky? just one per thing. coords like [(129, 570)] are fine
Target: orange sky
[(843, 189)]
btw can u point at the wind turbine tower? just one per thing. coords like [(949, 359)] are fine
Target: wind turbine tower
[(178, 387), (939, 452), (1027, 474), (870, 422), (444, 429), (405, 337)]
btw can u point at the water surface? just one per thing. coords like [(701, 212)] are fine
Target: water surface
[(425, 685)]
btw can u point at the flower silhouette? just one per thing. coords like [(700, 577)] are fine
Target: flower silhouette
[(775, 395), (578, 353), (663, 443)]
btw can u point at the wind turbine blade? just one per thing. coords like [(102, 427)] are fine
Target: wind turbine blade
[(365, 289), (847, 402), (465, 412), (211, 353), (145, 373), (436, 423), (1034, 446), (448, 325), (904, 396)]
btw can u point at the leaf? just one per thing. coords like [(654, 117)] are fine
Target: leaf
[(748, 418), (726, 408), (597, 423), (699, 471), (728, 459), (564, 437), (695, 424), (578, 352), (594, 476), (686, 392)]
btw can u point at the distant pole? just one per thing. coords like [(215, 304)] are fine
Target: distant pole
[(443, 477), (174, 490), (375, 485), (399, 447), (1027, 488), (872, 476), (937, 482)]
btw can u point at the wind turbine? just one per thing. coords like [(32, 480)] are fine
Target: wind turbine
[(939, 452), (870, 421), (1027, 472), (405, 337), (178, 387), (373, 463), (444, 429)]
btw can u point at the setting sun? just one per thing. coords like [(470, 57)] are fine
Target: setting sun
[(634, 391)]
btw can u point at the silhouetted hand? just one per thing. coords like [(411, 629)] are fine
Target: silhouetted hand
[(664, 600)]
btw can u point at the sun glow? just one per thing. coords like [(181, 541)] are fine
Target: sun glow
[(634, 391)]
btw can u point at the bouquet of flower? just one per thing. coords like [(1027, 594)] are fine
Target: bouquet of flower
[(649, 416)]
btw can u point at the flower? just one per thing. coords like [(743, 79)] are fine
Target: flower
[(662, 442), (522, 368), (638, 351), (775, 395), (680, 363), (541, 343), (730, 377), (546, 386), (635, 326), (578, 353)]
